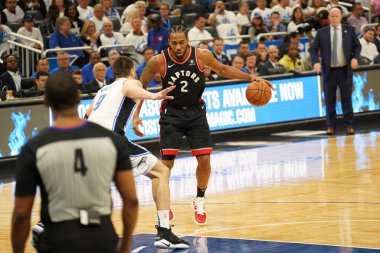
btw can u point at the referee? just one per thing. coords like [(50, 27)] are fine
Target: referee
[(73, 162)]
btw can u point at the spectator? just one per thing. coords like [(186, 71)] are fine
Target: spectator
[(356, 19), (317, 4), (243, 16), (320, 20), (202, 45), (218, 51), (128, 16), (238, 62), (148, 53), (109, 37), (99, 80), (113, 55), (257, 27), (77, 75), (137, 37), (377, 59), (64, 66), (61, 6), (5, 35), (89, 35), (221, 15), (291, 60), (62, 37), (47, 27), (243, 49), (377, 37), (272, 62), (250, 64), (87, 69), (12, 12), (293, 37), (42, 66), (276, 25), (98, 17), (72, 13), (31, 32), (335, 3), (158, 36), (306, 9), (261, 50), (297, 22), (40, 80), (164, 13), (141, 7), (34, 5), (283, 8), (262, 11), (85, 11), (12, 78), (109, 10), (209, 76), (369, 50), (198, 33)]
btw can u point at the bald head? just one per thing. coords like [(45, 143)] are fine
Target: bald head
[(335, 17)]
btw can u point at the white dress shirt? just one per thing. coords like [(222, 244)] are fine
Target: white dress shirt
[(369, 49), (16, 79), (196, 35), (341, 59)]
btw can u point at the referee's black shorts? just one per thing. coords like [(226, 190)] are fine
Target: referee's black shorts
[(71, 236), (178, 121)]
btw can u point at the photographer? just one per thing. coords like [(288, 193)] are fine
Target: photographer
[(319, 21)]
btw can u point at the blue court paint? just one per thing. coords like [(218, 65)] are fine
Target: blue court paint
[(226, 245)]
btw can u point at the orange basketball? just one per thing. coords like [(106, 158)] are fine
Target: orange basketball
[(258, 93)]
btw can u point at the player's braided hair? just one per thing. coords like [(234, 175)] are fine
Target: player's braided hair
[(179, 29)]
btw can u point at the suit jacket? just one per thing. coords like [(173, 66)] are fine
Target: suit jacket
[(92, 86), (322, 44), (265, 67), (7, 80)]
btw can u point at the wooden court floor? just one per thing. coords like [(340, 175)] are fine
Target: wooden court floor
[(319, 191)]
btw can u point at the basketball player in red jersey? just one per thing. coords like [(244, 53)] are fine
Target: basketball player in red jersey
[(182, 65)]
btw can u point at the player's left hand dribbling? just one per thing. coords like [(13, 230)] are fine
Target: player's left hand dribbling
[(255, 78)]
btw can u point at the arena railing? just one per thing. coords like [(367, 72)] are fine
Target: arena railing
[(126, 46), (57, 49), (269, 34), (28, 55)]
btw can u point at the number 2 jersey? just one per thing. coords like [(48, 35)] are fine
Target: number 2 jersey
[(186, 75), (73, 168)]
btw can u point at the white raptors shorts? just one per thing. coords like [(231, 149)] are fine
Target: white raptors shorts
[(142, 164)]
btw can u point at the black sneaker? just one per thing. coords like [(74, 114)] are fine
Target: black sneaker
[(37, 231), (165, 239)]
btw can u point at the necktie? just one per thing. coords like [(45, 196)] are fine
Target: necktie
[(334, 52)]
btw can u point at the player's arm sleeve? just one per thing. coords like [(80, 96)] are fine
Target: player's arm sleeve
[(123, 162), (26, 173)]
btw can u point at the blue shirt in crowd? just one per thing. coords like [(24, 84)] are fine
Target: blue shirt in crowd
[(57, 39)]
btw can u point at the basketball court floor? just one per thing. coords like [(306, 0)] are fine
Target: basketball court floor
[(291, 191)]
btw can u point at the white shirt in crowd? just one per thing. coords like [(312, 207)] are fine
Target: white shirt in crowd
[(116, 39), (369, 49), (196, 36), (308, 10), (242, 19), (285, 13), (140, 41), (85, 14), (265, 14), (35, 34), (98, 23), (228, 18), (14, 17)]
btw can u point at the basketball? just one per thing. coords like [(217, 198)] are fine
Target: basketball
[(258, 93)]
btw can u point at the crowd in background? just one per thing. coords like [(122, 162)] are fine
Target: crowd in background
[(140, 29)]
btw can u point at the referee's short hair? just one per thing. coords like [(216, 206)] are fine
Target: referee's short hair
[(61, 92), (122, 67)]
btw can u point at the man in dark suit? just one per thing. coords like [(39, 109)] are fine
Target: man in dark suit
[(339, 49), (11, 78), (99, 80), (377, 37), (270, 66)]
